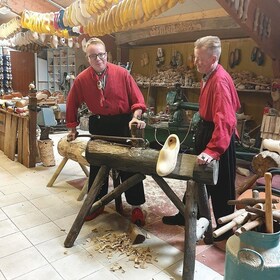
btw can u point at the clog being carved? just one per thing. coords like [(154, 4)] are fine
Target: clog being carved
[(167, 158)]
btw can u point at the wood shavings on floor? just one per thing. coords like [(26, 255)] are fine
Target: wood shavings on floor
[(113, 242)]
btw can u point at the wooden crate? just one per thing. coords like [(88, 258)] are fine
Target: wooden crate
[(2, 129), (270, 128), (18, 136)]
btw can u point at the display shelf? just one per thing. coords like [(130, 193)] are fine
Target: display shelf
[(5, 71), (253, 91), (61, 62)]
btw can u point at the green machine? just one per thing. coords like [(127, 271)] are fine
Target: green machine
[(179, 122), (178, 107)]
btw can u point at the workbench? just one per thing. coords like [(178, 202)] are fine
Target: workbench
[(142, 161)]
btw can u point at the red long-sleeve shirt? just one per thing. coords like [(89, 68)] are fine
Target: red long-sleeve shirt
[(218, 103), (121, 94)]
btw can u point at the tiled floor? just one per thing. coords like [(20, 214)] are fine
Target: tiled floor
[(35, 220)]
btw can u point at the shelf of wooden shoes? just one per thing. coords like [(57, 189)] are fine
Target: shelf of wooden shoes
[(18, 136)]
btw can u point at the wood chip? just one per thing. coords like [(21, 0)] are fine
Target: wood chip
[(120, 242)]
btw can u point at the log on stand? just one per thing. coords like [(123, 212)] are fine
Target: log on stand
[(74, 150), (143, 162)]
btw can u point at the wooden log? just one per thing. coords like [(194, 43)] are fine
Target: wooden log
[(74, 150), (144, 161)]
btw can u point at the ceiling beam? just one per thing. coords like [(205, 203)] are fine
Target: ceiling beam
[(260, 20), (41, 6), (182, 31)]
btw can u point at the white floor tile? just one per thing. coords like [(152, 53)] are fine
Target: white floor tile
[(43, 273), (6, 179), (43, 233), (66, 222), (19, 209), (21, 263), (30, 220), (54, 249), (10, 199), (13, 243), (32, 193), (3, 216), (2, 276), (77, 266), (59, 211), (129, 272), (7, 227), (13, 188), (165, 254), (102, 274), (47, 201)]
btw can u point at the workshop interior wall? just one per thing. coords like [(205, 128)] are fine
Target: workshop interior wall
[(253, 102), (186, 49)]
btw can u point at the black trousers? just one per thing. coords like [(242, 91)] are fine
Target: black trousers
[(224, 190), (114, 126)]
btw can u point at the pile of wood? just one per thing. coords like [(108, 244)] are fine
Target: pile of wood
[(258, 213)]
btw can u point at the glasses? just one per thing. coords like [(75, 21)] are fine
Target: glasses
[(99, 55)]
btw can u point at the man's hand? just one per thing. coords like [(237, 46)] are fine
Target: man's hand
[(204, 158), (72, 135), (140, 124)]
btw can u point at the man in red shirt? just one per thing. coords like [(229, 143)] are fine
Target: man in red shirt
[(215, 136), (115, 101)]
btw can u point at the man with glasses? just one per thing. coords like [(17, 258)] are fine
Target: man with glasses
[(115, 101), (215, 135)]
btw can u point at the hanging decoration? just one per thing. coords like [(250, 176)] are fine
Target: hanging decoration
[(9, 28), (91, 17)]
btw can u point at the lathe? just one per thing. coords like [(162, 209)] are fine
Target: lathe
[(178, 107)]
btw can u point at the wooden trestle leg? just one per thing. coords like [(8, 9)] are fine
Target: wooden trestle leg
[(79, 221), (204, 210), (190, 230), (170, 193), (89, 201), (195, 195)]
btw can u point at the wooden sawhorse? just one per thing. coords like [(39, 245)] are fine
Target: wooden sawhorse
[(143, 161)]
